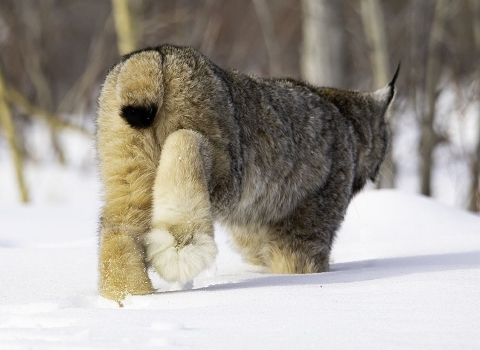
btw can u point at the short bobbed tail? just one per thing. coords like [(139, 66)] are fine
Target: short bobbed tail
[(139, 88)]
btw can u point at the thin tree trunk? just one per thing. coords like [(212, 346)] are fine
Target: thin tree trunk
[(429, 139), (374, 26), (6, 121), (33, 16), (183, 26), (474, 204), (268, 31), (211, 34), (32, 20), (124, 26), (322, 53), (93, 69)]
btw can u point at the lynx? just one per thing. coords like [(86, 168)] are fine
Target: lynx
[(183, 143)]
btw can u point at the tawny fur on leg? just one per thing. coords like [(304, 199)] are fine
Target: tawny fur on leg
[(181, 243), (259, 247), (283, 260), (128, 160), (122, 267), (249, 242)]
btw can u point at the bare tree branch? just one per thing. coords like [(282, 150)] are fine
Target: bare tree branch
[(374, 27), (428, 139), (33, 51), (17, 99), (94, 67), (210, 35), (474, 204), (268, 30), (322, 58), (127, 42), (6, 121)]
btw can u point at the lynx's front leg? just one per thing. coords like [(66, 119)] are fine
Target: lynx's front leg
[(181, 242)]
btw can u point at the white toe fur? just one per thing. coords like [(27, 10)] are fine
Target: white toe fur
[(179, 264)]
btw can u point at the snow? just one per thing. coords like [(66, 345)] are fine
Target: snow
[(405, 273), (458, 121)]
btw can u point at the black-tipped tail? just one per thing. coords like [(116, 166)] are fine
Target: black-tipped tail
[(139, 117)]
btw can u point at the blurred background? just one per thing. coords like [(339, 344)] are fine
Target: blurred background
[(54, 55)]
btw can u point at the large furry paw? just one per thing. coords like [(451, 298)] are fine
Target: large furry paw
[(176, 262), (122, 270)]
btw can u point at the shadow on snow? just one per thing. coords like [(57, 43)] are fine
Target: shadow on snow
[(366, 270)]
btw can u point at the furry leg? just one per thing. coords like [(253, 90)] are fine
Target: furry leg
[(301, 242), (285, 260), (122, 268), (181, 244)]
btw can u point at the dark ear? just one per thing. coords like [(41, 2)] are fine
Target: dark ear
[(392, 84), (384, 96)]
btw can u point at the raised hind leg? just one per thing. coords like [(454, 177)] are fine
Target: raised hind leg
[(181, 244)]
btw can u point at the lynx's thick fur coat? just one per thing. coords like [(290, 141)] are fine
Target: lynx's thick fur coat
[(183, 143)]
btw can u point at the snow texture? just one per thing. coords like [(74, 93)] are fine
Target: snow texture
[(405, 274)]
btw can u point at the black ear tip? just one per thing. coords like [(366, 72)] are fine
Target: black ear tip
[(392, 84), (139, 117), (395, 76)]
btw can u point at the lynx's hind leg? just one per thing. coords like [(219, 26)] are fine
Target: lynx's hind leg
[(249, 242), (275, 250), (285, 259), (127, 163), (122, 267), (181, 244), (301, 243)]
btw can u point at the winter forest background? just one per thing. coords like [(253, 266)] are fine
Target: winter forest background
[(54, 55)]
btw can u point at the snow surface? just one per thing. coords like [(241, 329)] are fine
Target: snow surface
[(405, 274), (405, 270)]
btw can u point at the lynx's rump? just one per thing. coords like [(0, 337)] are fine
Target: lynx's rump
[(182, 143)]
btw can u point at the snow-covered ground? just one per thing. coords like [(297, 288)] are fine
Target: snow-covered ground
[(405, 270), (405, 274)]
